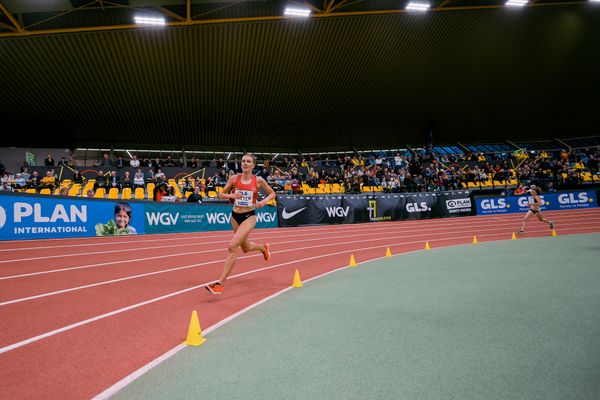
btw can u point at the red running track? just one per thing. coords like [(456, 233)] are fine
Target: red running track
[(81, 314)]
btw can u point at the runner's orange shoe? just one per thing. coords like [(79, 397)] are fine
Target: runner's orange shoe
[(215, 288), (266, 252)]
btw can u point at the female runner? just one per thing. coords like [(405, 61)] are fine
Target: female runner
[(242, 190), (534, 209)]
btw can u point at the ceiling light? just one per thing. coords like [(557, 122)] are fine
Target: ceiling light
[(297, 12), (417, 6), (516, 3), (142, 20)]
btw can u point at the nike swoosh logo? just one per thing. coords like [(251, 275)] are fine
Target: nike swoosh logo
[(288, 215)]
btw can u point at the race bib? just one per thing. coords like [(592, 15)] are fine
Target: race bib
[(247, 199)]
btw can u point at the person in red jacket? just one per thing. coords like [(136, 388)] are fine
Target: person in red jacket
[(242, 191)]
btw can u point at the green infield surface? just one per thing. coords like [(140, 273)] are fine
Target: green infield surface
[(515, 319)]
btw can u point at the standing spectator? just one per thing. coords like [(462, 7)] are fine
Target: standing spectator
[(49, 161), (120, 163), (134, 163), (63, 162), (77, 177), (106, 161)]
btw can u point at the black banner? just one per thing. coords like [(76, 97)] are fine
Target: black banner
[(454, 204), (293, 210), (329, 210), (347, 209)]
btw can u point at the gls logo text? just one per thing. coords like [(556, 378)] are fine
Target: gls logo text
[(493, 204), (523, 201), (417, 207), (337, 211), (156, 218), (569, 198)]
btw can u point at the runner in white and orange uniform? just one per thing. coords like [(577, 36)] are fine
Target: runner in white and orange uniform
[(245, 188)]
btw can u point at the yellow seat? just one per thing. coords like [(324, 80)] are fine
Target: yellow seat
[(100, 193), (30, 191), (139, 193), (45, 191), (150, 190), (126, 195), (113, 193), (212, 194)]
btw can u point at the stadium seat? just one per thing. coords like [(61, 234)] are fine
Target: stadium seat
[(139, 194), (45, 191), (126, 195), (100, 193), (113, 193)]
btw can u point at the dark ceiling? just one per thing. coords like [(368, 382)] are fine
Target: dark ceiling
[(239, 75)]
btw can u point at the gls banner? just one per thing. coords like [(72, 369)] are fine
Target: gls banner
[(550, 201), (38, 217), (165, 218), (335, 209)]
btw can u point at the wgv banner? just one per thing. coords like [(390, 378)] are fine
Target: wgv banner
[(43, 217), (346, 209), (39, 217), (167, 218), (550, 201)]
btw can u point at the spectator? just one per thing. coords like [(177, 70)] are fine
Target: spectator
[(160, 190), (120, 163), (20, 182), (49, 161), (77, 177), (138, 179), (134, 163), (64, 192), (196, 196), (106, 161), (90, 193)]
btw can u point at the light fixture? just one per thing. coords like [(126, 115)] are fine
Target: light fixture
[(297, 12), (516, 3), (144, 20), (418, 6)]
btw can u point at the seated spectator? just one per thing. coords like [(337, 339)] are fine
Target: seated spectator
[(187, 186), (196, 196), (6, 187), (100, 181), (90, 193), (138, 180), (49, 181), (64, 192), (20, 182), (519, 190), (126, 181), (34, 180)]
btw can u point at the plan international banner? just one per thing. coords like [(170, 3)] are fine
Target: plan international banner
[(42, 217)]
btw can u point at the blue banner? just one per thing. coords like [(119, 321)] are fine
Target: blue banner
[(37, 217), (163, 218), (550, 201)]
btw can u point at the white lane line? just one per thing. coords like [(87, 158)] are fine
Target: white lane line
[(314, 236), (156, 299), (101, 241), (379, 228)]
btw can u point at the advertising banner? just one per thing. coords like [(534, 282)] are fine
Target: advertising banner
[(550, 201), (293, 210), (168, 218), (38, 217), (41, 217), (335, 209), (329, 210), (453, 204), (418, 206)]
